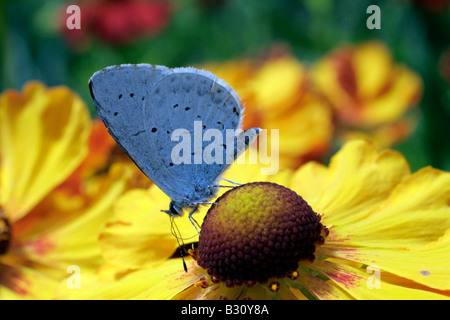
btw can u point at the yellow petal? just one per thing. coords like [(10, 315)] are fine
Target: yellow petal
[(236, 73), (76, 242), (22, 282), (403, 92), (170, 281), (309, 182), (140, 234), (72, 288), (277, 85), (159, 283), (415, 214), (428, 265), (325, 79), (365, 86), (372, 65), (323, 290), (358, 180), (383, 136), (309, 126), (245, 169), (369, 284), (43, 138), (283, 177)]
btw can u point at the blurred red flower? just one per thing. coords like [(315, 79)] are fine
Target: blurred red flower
[(118, 22)]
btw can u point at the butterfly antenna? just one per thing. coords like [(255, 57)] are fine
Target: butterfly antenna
[(175, 232), (184, 262)]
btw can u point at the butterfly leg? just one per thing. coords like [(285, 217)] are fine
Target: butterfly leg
[(192, 220), (235, 183)]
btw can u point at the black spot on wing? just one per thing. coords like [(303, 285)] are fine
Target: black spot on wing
[(138, 133)]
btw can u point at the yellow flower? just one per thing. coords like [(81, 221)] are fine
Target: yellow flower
[(368, 91), (368, 229), (44, 136), (355, 92)]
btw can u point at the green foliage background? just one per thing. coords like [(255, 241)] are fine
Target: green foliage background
[(220, 30)]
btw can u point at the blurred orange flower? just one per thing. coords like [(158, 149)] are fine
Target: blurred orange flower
[(369, 93), (104, 153), (354, 92), (277, 95)]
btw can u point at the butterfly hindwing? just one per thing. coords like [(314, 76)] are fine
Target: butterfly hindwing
[(118, 93), (197, 104)]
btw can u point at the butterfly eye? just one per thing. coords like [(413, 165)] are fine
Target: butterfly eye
[(173, 210)]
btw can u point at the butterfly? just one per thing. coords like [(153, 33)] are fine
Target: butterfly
[(148, 109)]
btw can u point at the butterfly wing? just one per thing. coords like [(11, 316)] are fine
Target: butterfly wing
[(142, 105), (193, 101), (118, 93)]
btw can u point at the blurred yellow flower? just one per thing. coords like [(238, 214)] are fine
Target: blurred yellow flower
[(385, 235), (104, 154), (355, 92), (277, 95), (44, 134), (368, 91)]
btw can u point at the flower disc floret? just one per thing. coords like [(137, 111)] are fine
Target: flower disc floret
[(258, 231)]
